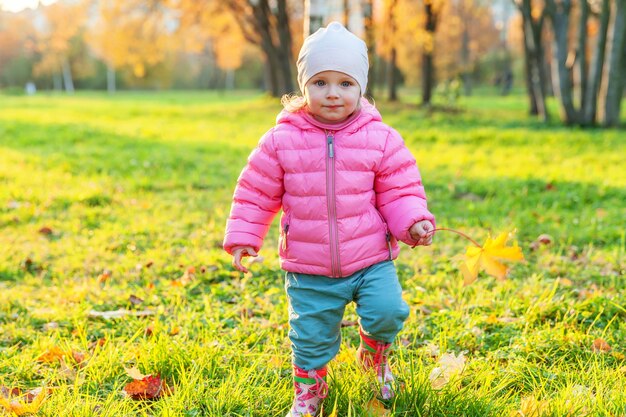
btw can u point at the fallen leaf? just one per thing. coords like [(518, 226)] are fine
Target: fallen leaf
[(450, 366), (600, 346), (51, 326), (134, 373), (148, 388), (104, 276), (28, 404), (348, 323), (51, 355), (66, 371), (531, 407), (45, 231), (487, 257), (79, 357), (134, 300), (174, 331), (118, 314), (97, 343), (375, 408)]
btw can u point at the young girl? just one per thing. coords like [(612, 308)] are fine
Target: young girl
[(349, 190)]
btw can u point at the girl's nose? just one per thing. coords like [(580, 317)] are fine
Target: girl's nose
[(333, 91)]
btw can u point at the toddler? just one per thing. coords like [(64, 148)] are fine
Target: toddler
[(349, 190)]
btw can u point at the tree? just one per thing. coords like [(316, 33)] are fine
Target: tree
[(63, 22), (614, 80), (129, 34), (533, 18), (314, 12), (391, 39), (370, 40), (17, 36), (269, 28), (206, 28), (571, 64), (432, 11)]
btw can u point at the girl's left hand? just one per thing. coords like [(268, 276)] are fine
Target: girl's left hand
[(421, 231)]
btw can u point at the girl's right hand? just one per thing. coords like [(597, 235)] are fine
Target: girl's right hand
[(239, 252)]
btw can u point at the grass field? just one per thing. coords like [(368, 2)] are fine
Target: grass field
[(103, 198)]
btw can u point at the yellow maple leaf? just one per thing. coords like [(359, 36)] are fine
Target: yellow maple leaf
[(375, 408), (488, 257), (28, 405)]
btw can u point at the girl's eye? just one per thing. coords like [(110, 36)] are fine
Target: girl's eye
[(346, 84), (320, 83)]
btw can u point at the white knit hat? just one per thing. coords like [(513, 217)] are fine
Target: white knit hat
[(333, 48)]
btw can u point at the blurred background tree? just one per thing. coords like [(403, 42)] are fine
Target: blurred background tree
[(573, 49)]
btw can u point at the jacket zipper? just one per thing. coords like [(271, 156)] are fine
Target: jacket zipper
[(332, 208)]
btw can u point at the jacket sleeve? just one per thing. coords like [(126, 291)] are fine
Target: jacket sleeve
[(257, 198), (400, 195)]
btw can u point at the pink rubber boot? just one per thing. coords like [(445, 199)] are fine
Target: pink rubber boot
[(373, 355), (310, 390)]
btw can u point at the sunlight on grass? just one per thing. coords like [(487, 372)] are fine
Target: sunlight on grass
[(103, 198)]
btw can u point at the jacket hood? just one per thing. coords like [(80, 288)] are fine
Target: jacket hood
[(303, 120)]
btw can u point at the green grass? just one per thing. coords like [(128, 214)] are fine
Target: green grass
[(138, 179)]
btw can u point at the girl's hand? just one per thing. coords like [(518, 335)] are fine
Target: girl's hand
[(421, 231), (238, 253)]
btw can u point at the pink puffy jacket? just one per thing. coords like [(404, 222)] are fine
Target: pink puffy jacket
[(348, 193)]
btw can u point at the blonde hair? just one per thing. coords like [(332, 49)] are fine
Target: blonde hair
[(293, 102)]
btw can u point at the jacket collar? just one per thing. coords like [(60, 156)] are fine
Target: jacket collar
[(303, 120)]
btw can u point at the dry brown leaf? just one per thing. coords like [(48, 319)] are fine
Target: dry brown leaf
[(45, 231), (600, 346), (104, 276), (148, 388), (79, 357), (134, 300)]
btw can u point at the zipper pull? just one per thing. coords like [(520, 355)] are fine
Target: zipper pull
[(329, 138)]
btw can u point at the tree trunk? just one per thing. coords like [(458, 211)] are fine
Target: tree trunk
[(313, 16), (57, 82), (347, 11), (528, 64), (466, 75), (392, 75), (392, 71), (67, 77), (284, 49), (580, 70), (428, 68), (110, 79), (561, 75), (370, 40), (590, 106), (614, 81), (260, 26)]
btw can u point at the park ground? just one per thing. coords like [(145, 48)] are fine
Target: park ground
[(118, 204)]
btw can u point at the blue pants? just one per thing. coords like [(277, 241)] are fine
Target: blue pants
[(317, 304)]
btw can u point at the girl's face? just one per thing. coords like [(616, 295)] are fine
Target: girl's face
[(332, 96)]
